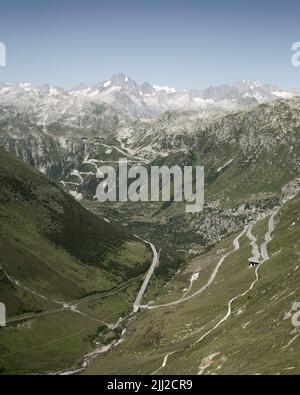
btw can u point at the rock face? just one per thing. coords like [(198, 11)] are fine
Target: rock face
[(47, 105), (66, 135)]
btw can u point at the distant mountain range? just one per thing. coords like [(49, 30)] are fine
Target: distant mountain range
[(70, 279), (49, 104)]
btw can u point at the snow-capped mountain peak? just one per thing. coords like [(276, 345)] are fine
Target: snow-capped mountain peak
[(49, 103), (247, 85)]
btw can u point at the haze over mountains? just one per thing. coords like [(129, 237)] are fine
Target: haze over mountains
[(48, 104)]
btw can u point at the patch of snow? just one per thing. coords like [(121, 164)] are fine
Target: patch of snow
[(42, 169), (165, 88), (225, 165), (107, 84), (76, 195), (203, 102), (245, 325), (287, 316), (53, 92), (63, 142), (283, 95)]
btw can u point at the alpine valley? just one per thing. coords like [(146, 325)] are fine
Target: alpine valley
[(146, 288)]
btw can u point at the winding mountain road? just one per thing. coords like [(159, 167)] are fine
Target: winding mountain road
[(253, 241), (265, 255), (255, 252), (268, 237), (137, 303), (236, 245), (63, 305), (164, 363)]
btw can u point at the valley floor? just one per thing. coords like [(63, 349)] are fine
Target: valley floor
[(217, 316)]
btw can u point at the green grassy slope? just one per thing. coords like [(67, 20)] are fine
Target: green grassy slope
[(54, 252), (258, 337)]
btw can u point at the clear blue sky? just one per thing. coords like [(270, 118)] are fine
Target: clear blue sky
[(187, 43)]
